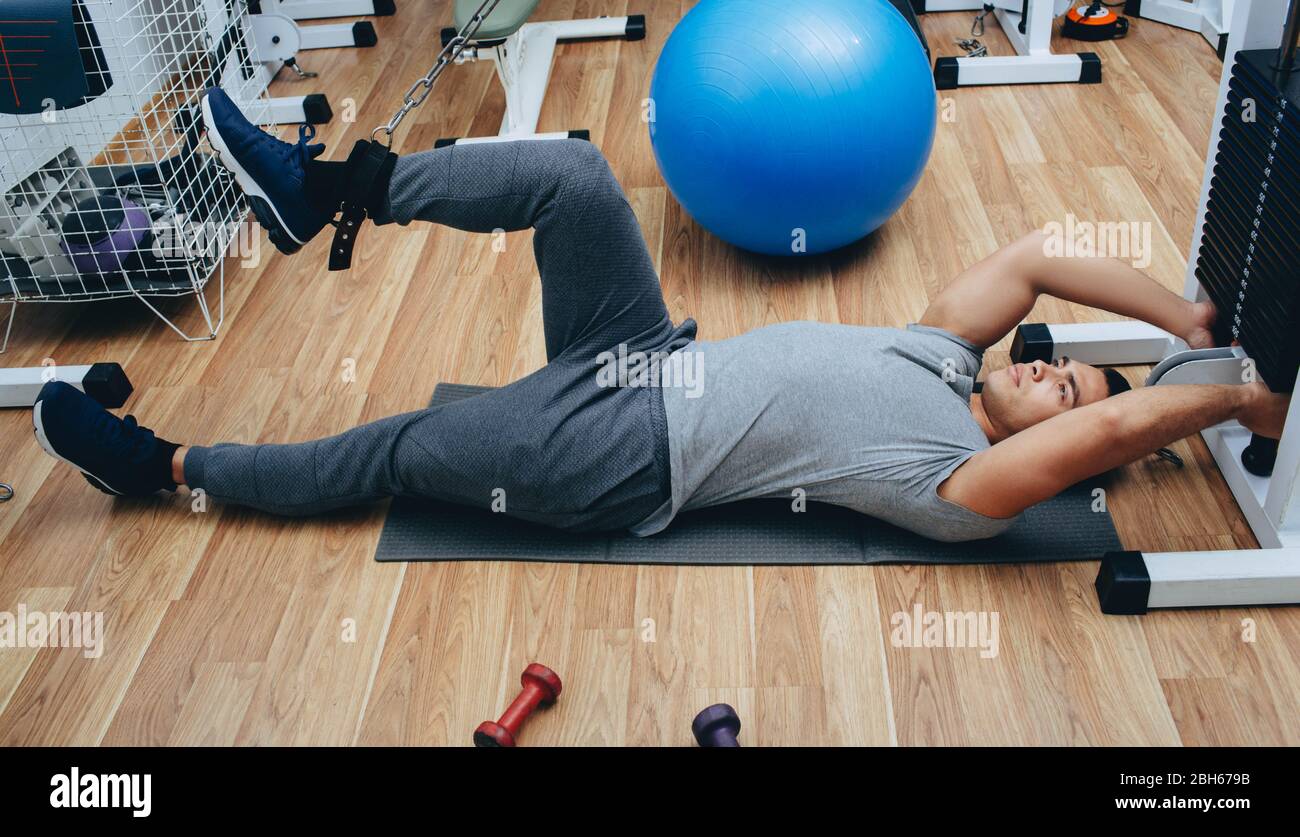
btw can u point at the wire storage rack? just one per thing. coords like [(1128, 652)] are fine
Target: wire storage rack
[(106, 190)]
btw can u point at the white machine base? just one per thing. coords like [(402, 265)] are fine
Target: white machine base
[(1099, 344), (312, 9), (313, 109), (331, 35), (280, 38), (105, 382), (1083, 68), (523, 63), (1131, 583), (1031, 37)]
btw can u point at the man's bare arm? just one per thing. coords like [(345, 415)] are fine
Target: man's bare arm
[(991, 297), (1049, 457)]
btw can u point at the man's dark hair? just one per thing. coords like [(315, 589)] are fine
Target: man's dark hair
[(1115, 382)]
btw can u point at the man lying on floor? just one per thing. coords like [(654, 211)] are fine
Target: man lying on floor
[(880, 420)]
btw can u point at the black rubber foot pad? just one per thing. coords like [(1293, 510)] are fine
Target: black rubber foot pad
[(1123, 584), (363, 34), (316, 109), (635, 29), (1033, 341), (107, 383), (1090, 72), (945, 73)]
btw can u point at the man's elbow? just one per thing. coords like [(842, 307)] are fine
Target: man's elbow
[(1032, 242), (1107, 431), (1026, 256), (1112, 418), (1109, 443)]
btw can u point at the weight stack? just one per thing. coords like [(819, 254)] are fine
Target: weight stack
[(1249, 258)]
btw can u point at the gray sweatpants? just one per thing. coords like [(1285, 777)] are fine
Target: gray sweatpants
[(557, 447)]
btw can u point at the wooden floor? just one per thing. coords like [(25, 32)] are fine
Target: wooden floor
[(230, 627)]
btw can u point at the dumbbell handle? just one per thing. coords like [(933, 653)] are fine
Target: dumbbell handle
[(521, 707), (719, 738)]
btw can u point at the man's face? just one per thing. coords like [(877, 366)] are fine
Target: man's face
[(1023, 394)]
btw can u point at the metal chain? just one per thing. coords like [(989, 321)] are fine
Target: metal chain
[(423, 87), (6, 492)]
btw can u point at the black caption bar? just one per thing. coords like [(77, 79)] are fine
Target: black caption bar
[(213, 787)]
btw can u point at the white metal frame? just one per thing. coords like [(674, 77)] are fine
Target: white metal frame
[(312, 9), (1209, 17), (321, 35), (106, 382), (161, 53), (1227, 578), (1271, 574), (523, 64), (1034, 61)]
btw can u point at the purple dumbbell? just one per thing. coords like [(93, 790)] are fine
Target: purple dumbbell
[(717, 726), (104, 234)]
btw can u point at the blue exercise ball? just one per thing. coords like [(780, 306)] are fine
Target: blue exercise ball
[(790, 128)]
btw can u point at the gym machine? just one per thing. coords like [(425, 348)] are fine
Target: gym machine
[(276, 39), (522, 53), (359, 33), (1028, 25), (247, 43), (1243, 257)]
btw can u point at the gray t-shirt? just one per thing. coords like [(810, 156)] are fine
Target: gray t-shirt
[(873, 419)]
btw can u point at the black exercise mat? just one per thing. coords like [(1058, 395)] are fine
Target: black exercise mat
[(753, 532)]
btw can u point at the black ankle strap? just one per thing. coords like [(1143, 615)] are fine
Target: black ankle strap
[(369, 166)]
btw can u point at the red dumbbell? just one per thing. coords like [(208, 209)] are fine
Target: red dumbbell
[(541, 688)]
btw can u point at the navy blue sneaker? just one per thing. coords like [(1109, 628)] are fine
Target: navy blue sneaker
[(270, 172), (117, 456)]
